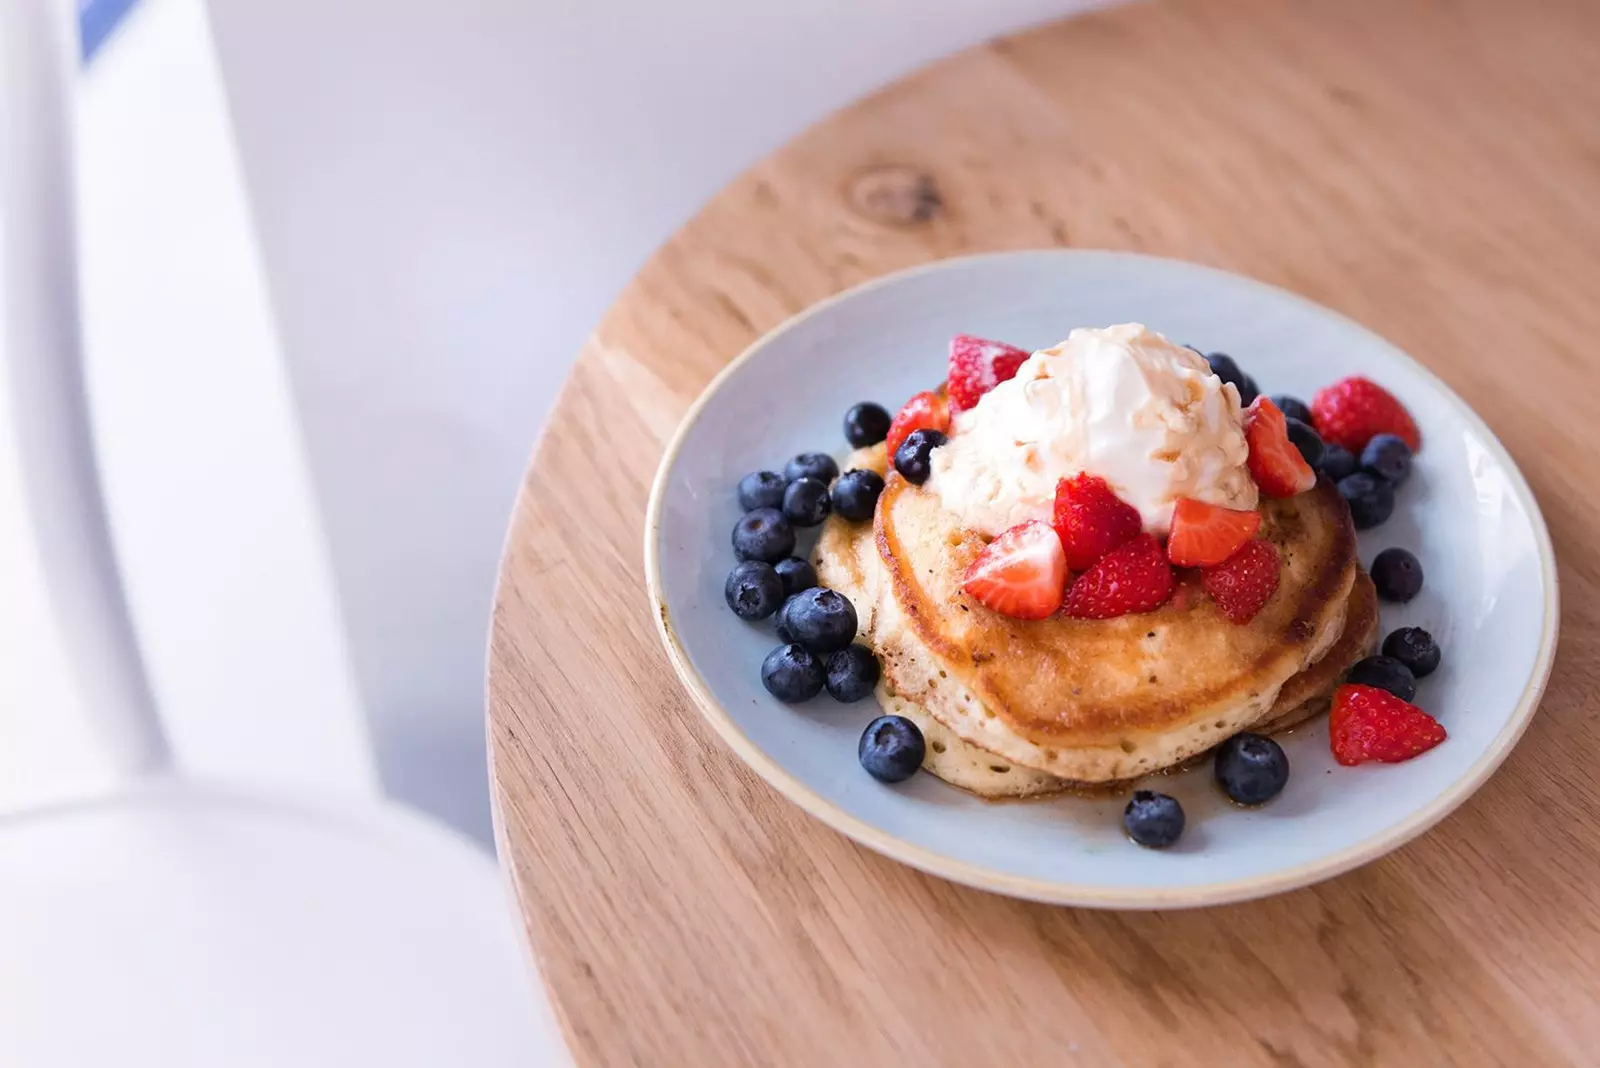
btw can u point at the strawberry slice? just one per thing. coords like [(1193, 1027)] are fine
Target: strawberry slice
[(1354, 410), (977, 366), (925, 411), (1275, 464), (1092, 520), (1134, 577), (1244, 582), (1021, 573), (1372, 724), (1204, 535)]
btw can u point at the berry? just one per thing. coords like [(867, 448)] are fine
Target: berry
[(1275, 464), (1130, 578), (1244, 583), (1225, 368), (1248, 391), (1204, 535), (763, 535), (753, 590), (977, 366), (780, 623), (1153, 820), (761, 489), (855, 495), (1021, 574), (1251, 768), (1397, 574), (1372, 724), (1415, 648), (1388, 457), (852, 673), (1302, 437), (1091, 519), (1337, 462), (1353, 411), (1386, 673), (925, 411), (806, 502), (866, 424), (1371, 499), (817, 465), (796, 574), (792, 674), (913, 458), (891, 749), (820, 619), (1293, 408)]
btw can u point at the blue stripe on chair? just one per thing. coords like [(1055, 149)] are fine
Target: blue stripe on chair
[(96, 20)]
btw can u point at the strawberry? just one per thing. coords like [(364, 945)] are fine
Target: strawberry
[(1021, 573), (1134, 577), (977, 366), (1372, 724), (1204, 535), (1244, 582), (1091, 519), (1353, 411), (925, 411), (1275, 464)]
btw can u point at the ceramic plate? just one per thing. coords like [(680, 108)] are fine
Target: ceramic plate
[(1467, 512)]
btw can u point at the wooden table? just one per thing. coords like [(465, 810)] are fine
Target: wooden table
[(1429, 167)]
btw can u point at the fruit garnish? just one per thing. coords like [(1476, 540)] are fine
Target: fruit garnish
[(925, 411), (1204, 535), (1244, 582), (1092, 520), (1354, 410), (1021, 573), (977, 366), (1372, 724), (1275, 463), (1134, 577)]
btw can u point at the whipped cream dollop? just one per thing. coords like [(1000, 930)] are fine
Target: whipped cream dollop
[(1123, 403)]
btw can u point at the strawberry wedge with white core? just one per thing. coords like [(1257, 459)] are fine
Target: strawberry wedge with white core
[(977, 366), (1022, 573)]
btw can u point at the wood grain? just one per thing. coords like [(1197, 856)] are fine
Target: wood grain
[(1428, 167)]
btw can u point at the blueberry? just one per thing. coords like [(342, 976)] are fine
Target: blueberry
[(1248, 390), (763, 535), (1224, 367), (1386, 673), (761, 489), (817, 465), (855, 495), (796, 574), (1371, 499), (1251, 768), (1415, 648), (891, 749), (806, 502), (1397, 574), (1388, 457), (911, 459), (792, 674), (1153, 820), (1293, 408), (852, 673), (1337, 463), (822, 620), (781, 623), (753, 590), (866, 424), (1306, 440)]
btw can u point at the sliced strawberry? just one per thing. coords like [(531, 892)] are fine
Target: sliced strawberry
[(1275, 464), (1244, 582), (1092, 520), (1134, 577), (1204, 535), (1021, 574), (1372, 724), (1353, 411), (925, 411), (977, 366)]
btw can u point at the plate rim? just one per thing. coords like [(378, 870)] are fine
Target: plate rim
[(1051, 891)]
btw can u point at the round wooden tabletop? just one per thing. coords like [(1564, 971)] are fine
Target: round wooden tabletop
[(1429, 168)]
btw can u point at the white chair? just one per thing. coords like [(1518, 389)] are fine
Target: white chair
[(146, 918)]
